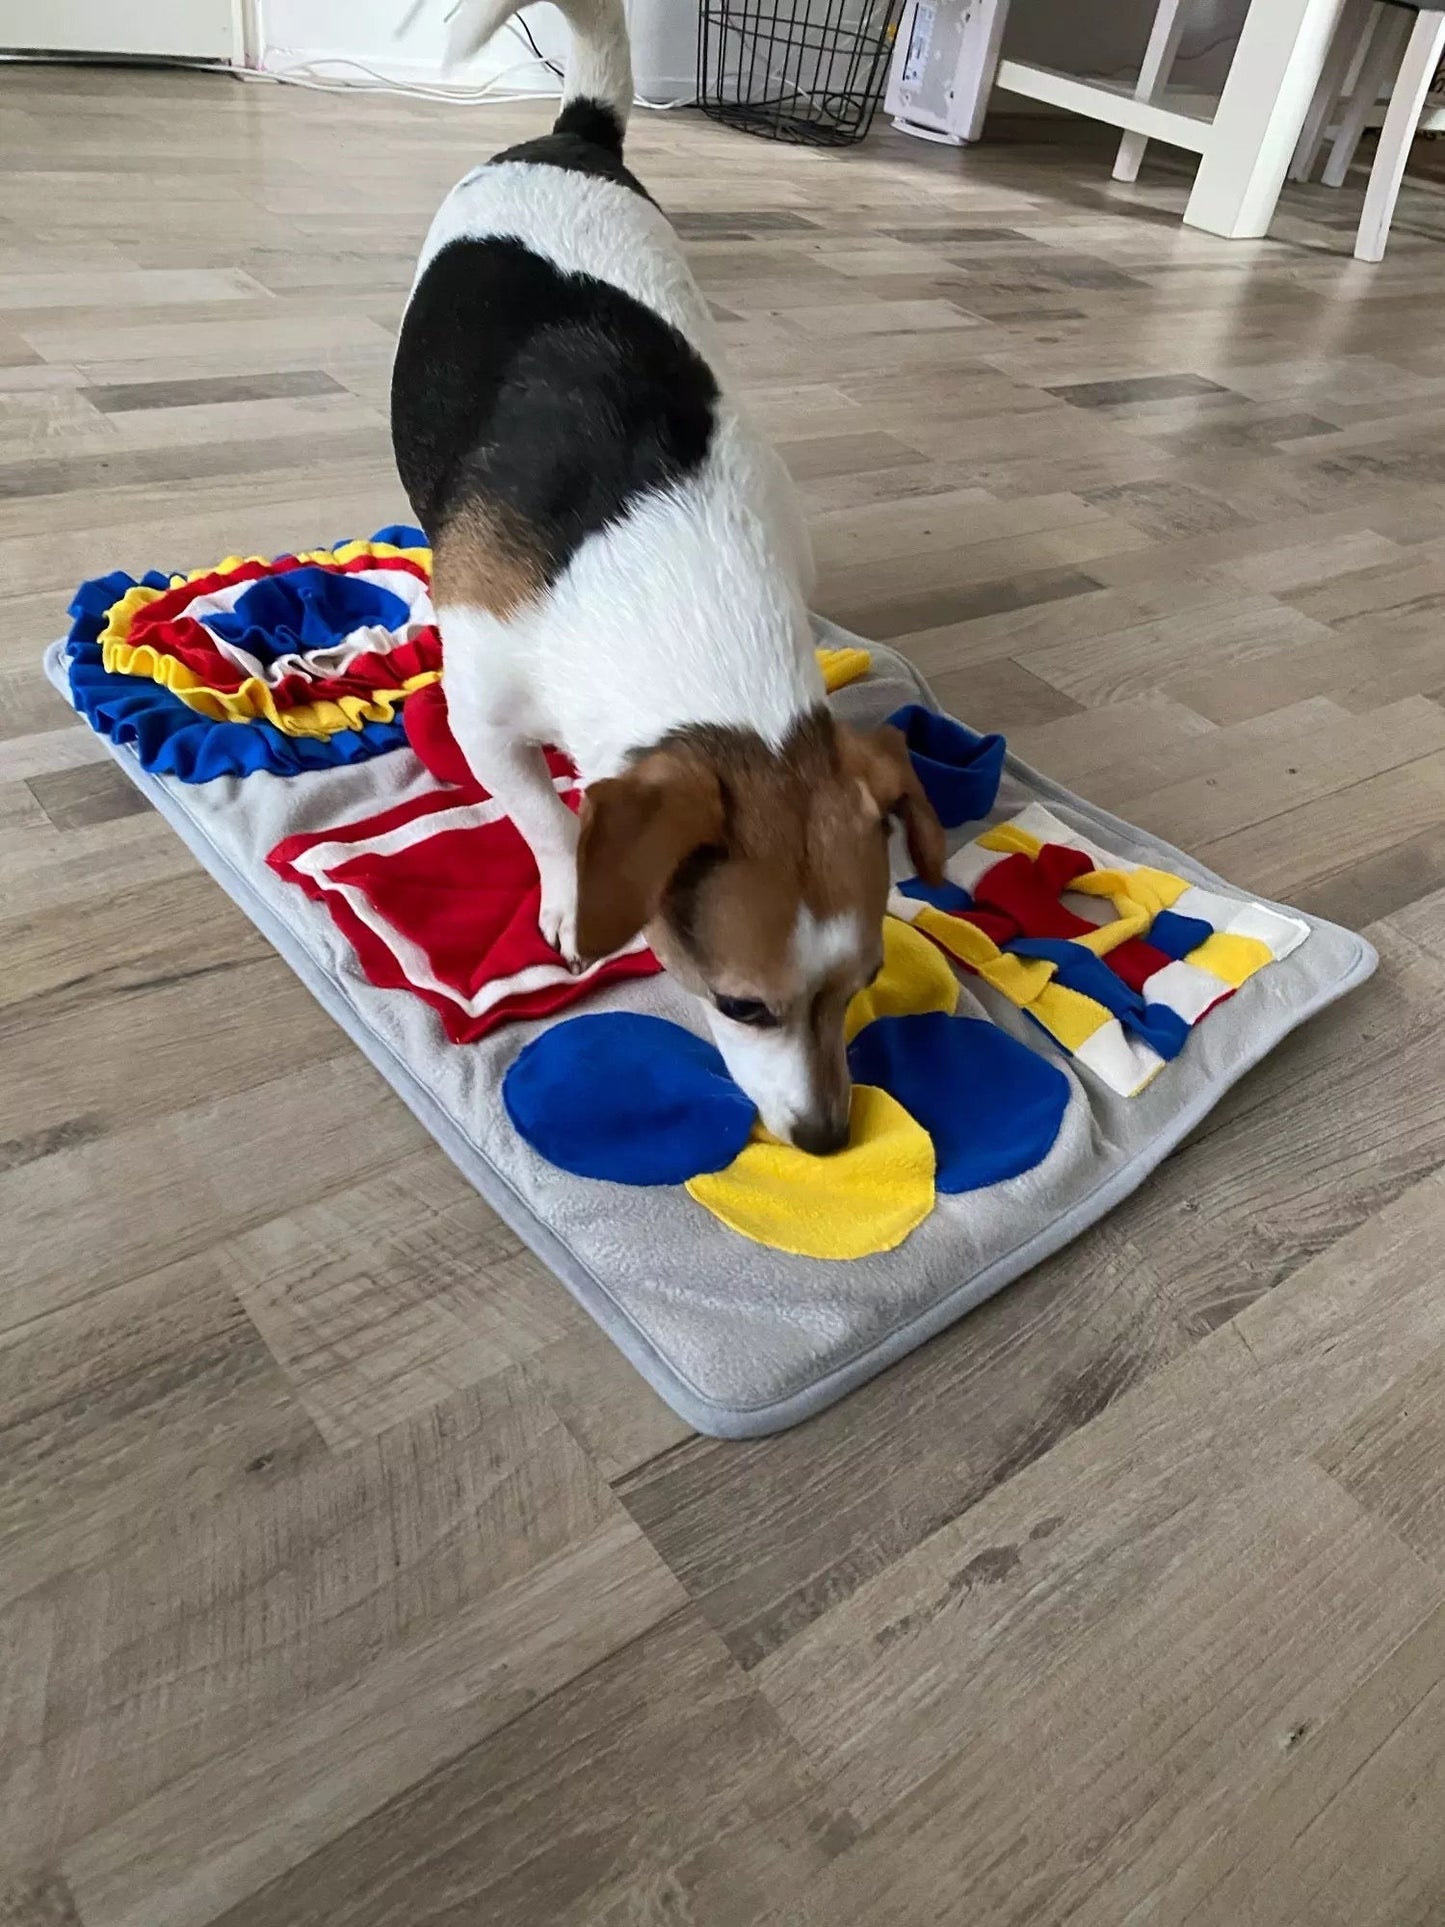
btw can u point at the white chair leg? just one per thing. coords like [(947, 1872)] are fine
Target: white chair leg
[(1355, 23), (1256, 127), (1391, 31), (1417, 70), (1164, 38)]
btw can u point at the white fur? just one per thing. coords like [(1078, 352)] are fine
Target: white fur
[(820, 944), (599, 64), (772, 1066), (777, 1067), (490, 723), (581, 224), (690, 610), (693, 608)]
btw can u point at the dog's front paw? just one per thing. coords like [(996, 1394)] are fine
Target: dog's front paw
[(557, 916)]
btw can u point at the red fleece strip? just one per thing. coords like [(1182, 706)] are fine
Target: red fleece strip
[(1019, 897)]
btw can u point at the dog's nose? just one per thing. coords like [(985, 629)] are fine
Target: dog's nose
[(820, 1137)]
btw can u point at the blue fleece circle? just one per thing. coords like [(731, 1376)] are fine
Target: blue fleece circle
[(632, 1099), (991, 1105), (306, 608)]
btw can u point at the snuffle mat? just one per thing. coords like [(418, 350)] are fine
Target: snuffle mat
[(1046, 1027)]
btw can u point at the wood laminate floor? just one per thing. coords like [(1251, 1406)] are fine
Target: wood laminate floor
[(347, 1575)]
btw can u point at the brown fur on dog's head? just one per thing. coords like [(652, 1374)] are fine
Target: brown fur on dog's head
[(761, 878)]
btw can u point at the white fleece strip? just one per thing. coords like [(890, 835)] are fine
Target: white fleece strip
[(1048, 828), (1118, 1060), (1234, 917), (1185, 989), (968, 866)]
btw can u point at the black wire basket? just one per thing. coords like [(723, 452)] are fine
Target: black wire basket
[(806, 71)]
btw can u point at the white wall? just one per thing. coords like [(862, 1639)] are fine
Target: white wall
[(664, 41), (1079, 36)]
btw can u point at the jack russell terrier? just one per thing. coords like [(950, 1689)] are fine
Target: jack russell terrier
[(620, 568)]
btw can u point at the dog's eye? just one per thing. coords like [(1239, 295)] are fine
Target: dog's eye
[(746, 1010)]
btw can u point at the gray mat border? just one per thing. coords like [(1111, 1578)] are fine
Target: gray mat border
[(705, 1415)]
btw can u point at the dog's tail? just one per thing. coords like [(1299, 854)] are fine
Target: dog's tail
[(597, 94)]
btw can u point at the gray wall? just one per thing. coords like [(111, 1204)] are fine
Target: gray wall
[(1108, 36)]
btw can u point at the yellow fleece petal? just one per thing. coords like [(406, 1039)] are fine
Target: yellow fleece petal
[(915, 977), (866, 1198)]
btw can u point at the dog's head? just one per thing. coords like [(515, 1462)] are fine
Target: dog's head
[(761, 878)]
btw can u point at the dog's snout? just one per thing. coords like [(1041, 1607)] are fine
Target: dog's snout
[(820, 1137)]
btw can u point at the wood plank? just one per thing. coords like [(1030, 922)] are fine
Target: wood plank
[(96, 1212), (1334, 833), (42, 1900), (1279, 764), (1389, 1456), (618, 1418), (153, 937), (769, 1534), (1073, 749), (921, 1671), (608, 1799), (160, 1393), (1182, 1700), (1378, 885), (1160, 655), (276, 1607), (1347, 1837), (385, 1296)]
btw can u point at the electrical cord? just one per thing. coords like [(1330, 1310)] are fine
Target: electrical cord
[(1185, 52), (312, 75), (520, 22)]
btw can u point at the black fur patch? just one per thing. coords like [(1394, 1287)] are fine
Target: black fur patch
[(554, 397), (591, 120), (587, 138)]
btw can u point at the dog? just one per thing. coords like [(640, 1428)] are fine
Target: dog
[(620, 569)]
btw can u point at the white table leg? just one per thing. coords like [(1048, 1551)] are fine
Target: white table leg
[(1386, 44), (1164, 38), (1417, 70), (1354, 19), (1276, 67)]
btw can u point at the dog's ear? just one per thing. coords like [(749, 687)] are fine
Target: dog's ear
[(636, 830), (881, 762)]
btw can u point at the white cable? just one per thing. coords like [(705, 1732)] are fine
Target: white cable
[(312, 74), (306, 73)]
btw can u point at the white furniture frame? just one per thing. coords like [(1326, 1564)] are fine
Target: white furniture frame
[(1402, 121), (1244, 150), (1374, 41)]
